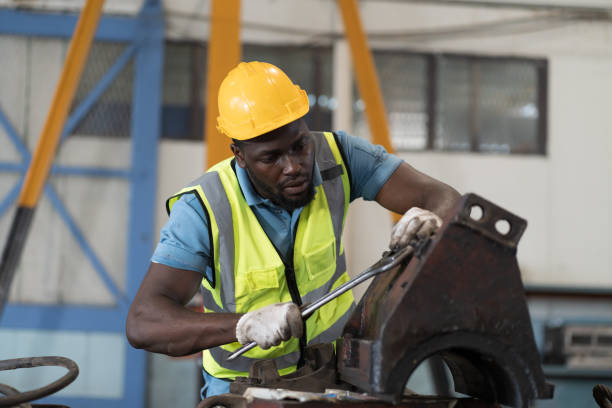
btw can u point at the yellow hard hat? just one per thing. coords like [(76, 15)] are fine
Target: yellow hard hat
[(257, 97)]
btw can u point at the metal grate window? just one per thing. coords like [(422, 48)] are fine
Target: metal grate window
[(462, 103), (405, 94), (184, 91), (110, 116)]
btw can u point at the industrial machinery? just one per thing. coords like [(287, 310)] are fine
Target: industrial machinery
[(458, 296), (13, 397)]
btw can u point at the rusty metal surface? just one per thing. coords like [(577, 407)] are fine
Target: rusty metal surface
[(318, 373), (411, 403), (14, 398), (234, 401), (461, 298), (223, 400)]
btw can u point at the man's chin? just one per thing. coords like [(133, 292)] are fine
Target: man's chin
[(292, 202)]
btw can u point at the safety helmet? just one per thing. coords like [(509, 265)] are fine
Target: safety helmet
[(257, 97)]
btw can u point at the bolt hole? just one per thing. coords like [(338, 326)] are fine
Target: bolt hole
[(476, 212), (503, 227)]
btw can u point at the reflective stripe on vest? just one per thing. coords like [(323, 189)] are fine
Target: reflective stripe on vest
[(249, 273)]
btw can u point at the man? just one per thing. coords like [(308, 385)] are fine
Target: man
[(261, 233)]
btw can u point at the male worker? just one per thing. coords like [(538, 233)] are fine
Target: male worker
[(261, 232)]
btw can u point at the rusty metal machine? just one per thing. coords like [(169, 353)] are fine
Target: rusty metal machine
[(459, 296)]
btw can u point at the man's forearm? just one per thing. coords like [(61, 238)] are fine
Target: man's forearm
[(159, 322), (441, 199), (407, 188), (166, 327)]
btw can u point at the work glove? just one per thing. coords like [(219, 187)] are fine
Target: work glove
[(416, 223), (270, 325)]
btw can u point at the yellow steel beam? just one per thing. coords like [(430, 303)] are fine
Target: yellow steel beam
[(367, 80), (224, 51), (62, 99)]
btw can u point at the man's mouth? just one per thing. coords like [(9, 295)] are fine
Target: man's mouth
[(296, 187)]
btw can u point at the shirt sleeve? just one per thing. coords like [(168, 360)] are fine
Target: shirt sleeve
[(184, 242), (370, 165)]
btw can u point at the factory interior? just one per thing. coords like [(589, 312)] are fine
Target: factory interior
[(109, 108)]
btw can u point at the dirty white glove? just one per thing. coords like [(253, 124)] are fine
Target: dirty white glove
[(270, 325), (416, 223)]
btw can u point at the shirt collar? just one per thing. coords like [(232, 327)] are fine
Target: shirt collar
[(251, 195)]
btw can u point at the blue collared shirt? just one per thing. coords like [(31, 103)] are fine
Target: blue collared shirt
[(184, 242)]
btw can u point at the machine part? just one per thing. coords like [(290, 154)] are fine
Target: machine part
[(223, 401), (15, 398), (603, 396), (463, 300), (578, 345), (389, 260), (8, 390), (280, 394), (439, 378), (552, 351), (236, 401), (318, 374)]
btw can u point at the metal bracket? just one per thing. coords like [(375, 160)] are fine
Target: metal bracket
[(491, 220)]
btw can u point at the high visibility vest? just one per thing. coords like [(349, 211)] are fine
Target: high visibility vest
[(249, 273)]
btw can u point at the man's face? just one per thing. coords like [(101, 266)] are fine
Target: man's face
[(280, 164)]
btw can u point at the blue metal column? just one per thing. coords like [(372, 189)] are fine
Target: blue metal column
[(146, 118)]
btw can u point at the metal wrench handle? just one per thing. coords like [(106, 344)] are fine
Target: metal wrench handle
[(388, 261)]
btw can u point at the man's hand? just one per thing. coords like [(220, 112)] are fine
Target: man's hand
[(415, 223), (270, 325)]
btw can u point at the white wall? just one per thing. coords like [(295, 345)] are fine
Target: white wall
[(179, 164)]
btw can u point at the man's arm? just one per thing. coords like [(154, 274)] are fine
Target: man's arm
[(423, 200), (407, 188), (158, 320)]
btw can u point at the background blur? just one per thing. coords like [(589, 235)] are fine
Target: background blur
[(507, 99)]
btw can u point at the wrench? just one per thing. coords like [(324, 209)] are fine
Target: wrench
[(389, 260)]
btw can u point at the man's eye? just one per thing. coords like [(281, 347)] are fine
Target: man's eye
[(268, 159), (300, 146)]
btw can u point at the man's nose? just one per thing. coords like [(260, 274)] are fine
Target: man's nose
[(291, 165)]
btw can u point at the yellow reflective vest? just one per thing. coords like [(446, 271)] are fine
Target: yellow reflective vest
[(250, 274)]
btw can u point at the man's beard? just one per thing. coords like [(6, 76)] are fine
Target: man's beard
[(277, 197)]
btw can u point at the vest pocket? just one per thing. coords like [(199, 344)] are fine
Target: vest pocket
[(258, 279), (321, 261)]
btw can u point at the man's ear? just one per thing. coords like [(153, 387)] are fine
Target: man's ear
[(239, 155)]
